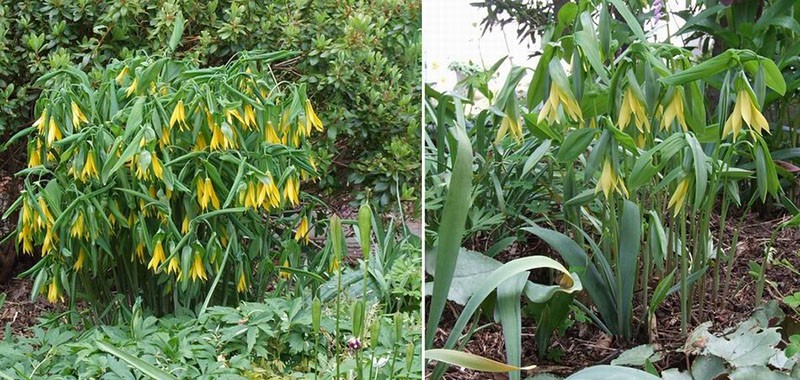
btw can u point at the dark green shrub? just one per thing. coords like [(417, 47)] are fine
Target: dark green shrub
[(359, 59)]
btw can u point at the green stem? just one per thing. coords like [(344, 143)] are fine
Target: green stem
[(684, 274)]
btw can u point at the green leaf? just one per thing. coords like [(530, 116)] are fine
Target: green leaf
[(177, 31), (630, 19), (704, 70), (536, 156), (599, 290), (606, 372), (575, 144), (467, 360), (627, 262), (142, 366), (637, 356), (451, 227), (586, 39)]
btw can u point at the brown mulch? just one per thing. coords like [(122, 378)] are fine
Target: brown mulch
[(583, 344), (18, 312)]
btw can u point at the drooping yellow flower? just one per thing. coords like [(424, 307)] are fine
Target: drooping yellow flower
[(141, 172), (174, 266), (26, 238), (89, 168), (158, 257), (564, 98), (311, 119), (268, 193), (675, 110), (54, 292), (165, 137), (50, 239), (283, 273), (249, 116), (81, 259), (139, 251), (231, 113), (509, 124), (302, 230), (77, 116), (251, 197), (334, 265), (241, 285), (53, 132), (78, 229), (35, 159), (41, 123), (291, 190), (158, 169), (132, 88), (632, 105), (122, 74), (745, 109), (198, 270), (270, 135), (178, 116), (609, 181), (679, 197), (48, 217), (206, 193), (200, 144), (217, 138), (185, 225)]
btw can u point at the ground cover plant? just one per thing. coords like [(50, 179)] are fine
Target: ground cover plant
[(644, 161)]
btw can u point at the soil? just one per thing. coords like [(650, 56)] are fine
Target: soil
[(18, 313), (583, 344)]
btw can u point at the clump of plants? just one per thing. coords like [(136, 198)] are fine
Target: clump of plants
[(165, 181)]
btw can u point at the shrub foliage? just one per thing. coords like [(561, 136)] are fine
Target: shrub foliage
[(360, 60)]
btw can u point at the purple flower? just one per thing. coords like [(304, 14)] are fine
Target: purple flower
[(658, 7)]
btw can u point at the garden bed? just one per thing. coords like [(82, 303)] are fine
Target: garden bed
[(584, 345)]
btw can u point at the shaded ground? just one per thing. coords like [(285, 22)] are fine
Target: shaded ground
[(18, 313), (583, 344)]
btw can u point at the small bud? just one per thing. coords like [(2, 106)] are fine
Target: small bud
[(316, 314), (358, 318), (374, 333), (364, 228)]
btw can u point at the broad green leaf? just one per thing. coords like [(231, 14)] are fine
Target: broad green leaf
[(607, 372), (637, 356), (575, 144), (177, 31), (627, 262), (451, 227), (141, 365)]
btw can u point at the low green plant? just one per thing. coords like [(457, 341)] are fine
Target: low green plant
[(254, 340)]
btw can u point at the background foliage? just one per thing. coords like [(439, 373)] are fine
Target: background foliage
[(360, 61)]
